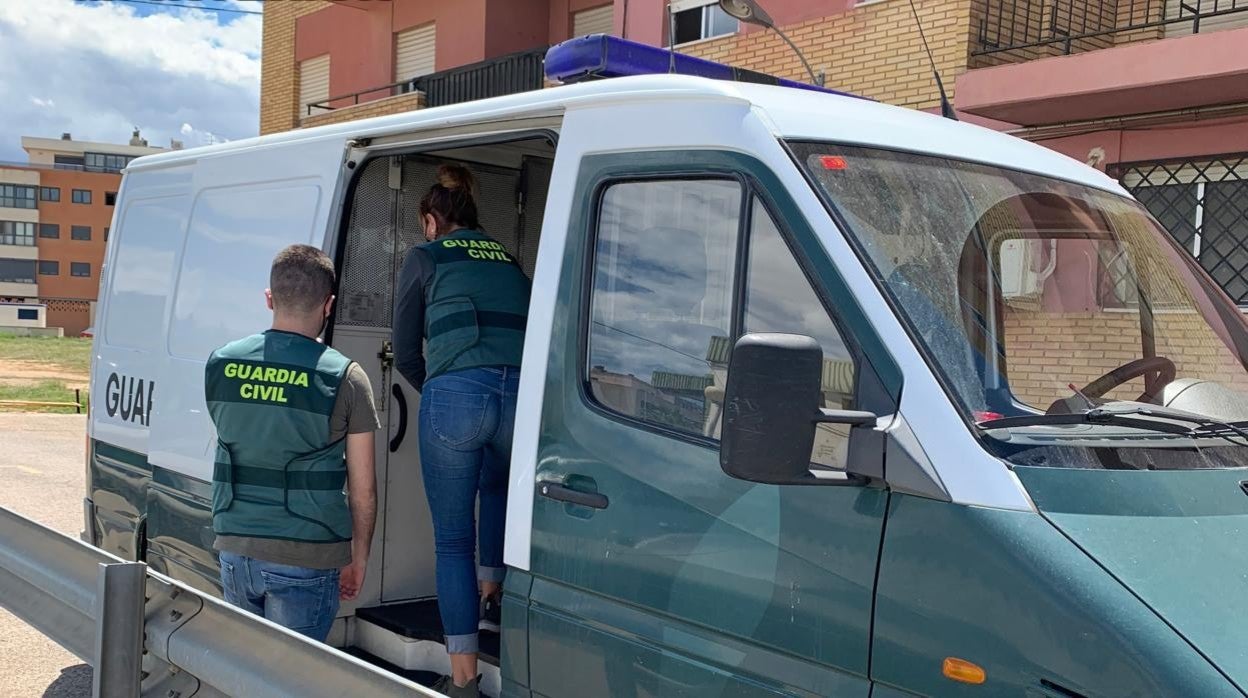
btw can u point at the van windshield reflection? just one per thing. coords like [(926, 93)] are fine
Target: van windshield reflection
[(1035, 296)]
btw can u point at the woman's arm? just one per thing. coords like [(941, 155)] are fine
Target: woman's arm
[(409, 317)]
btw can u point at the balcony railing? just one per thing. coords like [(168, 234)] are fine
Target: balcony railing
[(1068, 26), (517, 72)]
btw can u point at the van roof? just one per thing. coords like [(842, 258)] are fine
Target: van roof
[(795, 114)]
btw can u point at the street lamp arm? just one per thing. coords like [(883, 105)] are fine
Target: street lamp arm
[(814, 80)]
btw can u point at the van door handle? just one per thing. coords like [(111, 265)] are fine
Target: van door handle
[(401, 400), (561, 493)]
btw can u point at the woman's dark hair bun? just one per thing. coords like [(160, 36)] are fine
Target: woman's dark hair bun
[(453, 200), (455, 177)]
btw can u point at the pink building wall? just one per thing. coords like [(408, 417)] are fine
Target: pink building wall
[(359, 33)]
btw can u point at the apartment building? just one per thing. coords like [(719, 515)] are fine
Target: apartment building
[(1155, 92), (55, 213), (326, 62)]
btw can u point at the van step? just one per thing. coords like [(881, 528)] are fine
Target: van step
[(424, 678), (408, 637), (420, 620)]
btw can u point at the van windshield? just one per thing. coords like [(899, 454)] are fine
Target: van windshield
[(1035, 296)]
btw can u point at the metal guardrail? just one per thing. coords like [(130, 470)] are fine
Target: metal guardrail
[(148, 635), (76, 404)]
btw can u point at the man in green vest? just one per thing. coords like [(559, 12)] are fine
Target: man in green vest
[(295, 422)]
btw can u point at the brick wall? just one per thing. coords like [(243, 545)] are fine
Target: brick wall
[(279, 74), (72, 315), (873, 50), (1047, 350), (380, 107)]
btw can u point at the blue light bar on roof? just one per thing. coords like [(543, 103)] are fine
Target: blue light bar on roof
[(604, 56)]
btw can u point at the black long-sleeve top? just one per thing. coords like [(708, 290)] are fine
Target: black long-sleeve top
[(415, 279)]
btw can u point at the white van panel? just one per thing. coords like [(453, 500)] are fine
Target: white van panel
[(142, 280), (152, 208), (234, 234), (247, 206)]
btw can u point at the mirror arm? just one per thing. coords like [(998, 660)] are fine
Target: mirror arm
[(853, 418), (842, 478)]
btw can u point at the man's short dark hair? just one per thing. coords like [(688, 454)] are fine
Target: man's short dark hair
[(301, 279)]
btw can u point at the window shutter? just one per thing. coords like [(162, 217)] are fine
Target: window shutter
[(313, 82), (415, 52), (599, 20)]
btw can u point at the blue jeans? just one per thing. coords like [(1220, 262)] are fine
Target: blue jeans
[(466, 422), (302, 599)]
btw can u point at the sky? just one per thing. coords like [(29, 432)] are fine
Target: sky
[(100, 68)]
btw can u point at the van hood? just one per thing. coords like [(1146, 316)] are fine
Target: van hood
[(1177, 539)]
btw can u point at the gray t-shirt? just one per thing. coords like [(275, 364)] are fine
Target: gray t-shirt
[(354, 413)]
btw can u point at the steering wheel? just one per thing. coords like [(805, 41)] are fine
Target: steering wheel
[(1163, 367)]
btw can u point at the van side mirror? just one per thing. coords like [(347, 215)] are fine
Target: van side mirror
[(772, 404)]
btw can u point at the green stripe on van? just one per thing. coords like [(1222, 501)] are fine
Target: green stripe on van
[(120, 455)]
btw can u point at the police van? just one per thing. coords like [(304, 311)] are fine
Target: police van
[(819, 396)]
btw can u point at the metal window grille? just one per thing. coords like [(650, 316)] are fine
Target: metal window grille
[(505, 75), (1204, 206), (1071, 26)]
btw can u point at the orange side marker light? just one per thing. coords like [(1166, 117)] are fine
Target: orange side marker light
[(963, 671)]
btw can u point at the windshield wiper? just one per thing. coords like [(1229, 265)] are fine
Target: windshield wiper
[(1206, 426), (1134, 416), (1094, 416)]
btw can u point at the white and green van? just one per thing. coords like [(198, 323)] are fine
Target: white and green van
[(820, 397)]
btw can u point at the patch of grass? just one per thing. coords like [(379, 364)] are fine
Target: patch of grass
[(43, 391), (69, 353)]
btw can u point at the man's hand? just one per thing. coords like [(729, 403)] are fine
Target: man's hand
[(351, 579)]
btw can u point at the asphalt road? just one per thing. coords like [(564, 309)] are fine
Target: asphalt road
[(41, 468)]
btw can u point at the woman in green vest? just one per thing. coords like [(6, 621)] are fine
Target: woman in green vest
[(466, 298)]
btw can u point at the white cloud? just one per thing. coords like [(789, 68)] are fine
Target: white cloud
[(105, 68)]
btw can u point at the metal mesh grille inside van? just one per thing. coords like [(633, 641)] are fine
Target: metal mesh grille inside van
[(366, 291), (536, 176), (385, 225), (496, 202)]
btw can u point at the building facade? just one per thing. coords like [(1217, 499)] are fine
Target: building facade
[(326, 62), (55, 214), (1155, 92)]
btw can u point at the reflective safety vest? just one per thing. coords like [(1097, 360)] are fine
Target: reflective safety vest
[(277, 475), (477, 306)]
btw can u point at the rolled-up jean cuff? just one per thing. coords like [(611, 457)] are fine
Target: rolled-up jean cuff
[(461, 644), (491, 574)]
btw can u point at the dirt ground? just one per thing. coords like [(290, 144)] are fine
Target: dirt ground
[(17, 372)]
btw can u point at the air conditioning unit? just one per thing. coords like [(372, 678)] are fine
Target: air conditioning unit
[(1019, 275)]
